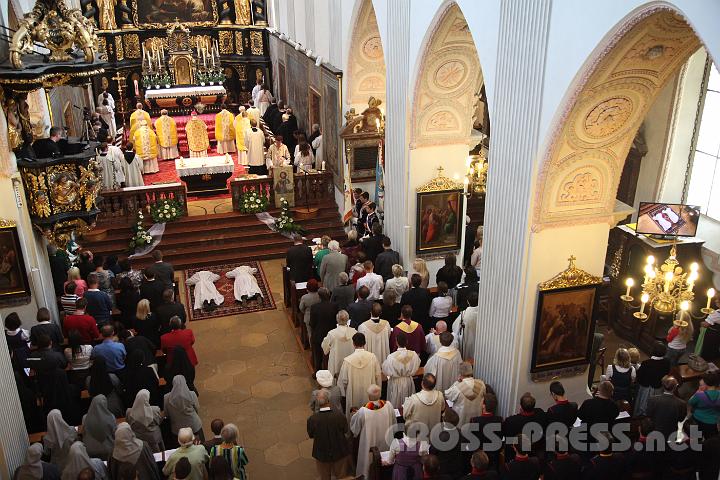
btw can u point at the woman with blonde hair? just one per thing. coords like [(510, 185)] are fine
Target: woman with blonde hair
[(420, 267), (398, 283), (146, 323), (621, 374), (80, 284), (678, 337)]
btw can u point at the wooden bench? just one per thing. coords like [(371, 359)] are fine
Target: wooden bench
[(37, 437), (84, 394)]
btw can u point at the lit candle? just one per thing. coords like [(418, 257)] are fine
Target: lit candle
[(691, 280), (323, 165), (668, 279), (650, 260), (377, 124), (710, 295), (684, 307), (694, 267), (629, 282), (644, 299), (647, 270)]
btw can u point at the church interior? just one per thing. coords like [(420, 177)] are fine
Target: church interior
[(379, 239)]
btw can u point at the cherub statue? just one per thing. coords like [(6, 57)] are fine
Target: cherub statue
[(372, 117)]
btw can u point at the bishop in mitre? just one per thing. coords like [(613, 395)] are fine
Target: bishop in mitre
[(359, 370), (445, 364), (377, 334), (371, 424), (225, 131), (197, 136), (205, 289), (467, 395), (337, 344), (242, 124), (136, 116), (146, 146), (399, 368), (166, 131)]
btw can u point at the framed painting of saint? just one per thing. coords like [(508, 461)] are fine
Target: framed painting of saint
[(165, 12), (438, 226), (13, 277), (283, 185)]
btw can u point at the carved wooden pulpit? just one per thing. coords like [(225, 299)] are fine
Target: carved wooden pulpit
[(363, 135)]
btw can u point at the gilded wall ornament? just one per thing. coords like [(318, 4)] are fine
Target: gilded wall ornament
[(570, 277), (119, 50), (226, 42), (239, 43), (242, 12), (439, 183), (102, 48), (132, 45), (106, 14), (256, 43)]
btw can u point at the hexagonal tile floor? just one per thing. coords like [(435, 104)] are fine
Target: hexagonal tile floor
[(253, 373)]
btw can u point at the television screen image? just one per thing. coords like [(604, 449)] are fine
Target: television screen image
[(667, 219)]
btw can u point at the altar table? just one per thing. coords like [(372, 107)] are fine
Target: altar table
[(179, 99), (205, 174)]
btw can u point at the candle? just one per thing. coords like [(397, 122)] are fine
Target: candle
[(629, 282), (644, 299), (710, 295), (668, 279), (650, 260), (323, 165), (691, 280), (684, 307)]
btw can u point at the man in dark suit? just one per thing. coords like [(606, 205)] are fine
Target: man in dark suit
[(322, 320), (329, 431), (563, 411), (164, 272), (601, 409), (666, 410), (386, 260), (167, 309), (216, 426), (360, 310), (45, 360), (419, 299), (151, 288), (299, 260), (467, 288), (514, 424), (372, 246), (489, 423), (48, 147)]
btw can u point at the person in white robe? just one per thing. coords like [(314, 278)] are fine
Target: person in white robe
[(246, 285), (359, 370), (256, 90), (371, 424), (377, 334), (107, 113), (255, 144), (445, 364), (132, 167), (105, 95), (399, 368), (337, 344), (426, 406), (253, 113), (317, 145), (205, 290), (112, 170), (465, 326), (432, 339), (467, 395), (263, 100)]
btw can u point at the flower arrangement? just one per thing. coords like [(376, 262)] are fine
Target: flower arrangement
[(253, 202), (166, 210), (285, 222), (140, 236)]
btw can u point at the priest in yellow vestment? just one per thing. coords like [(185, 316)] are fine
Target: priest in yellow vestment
[(167, 136), (225, 131), (138, 114), (146, 146), (242, 123), (197, 136)]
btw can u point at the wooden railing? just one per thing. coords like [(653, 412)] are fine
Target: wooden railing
[(313, 189), (121, 206)]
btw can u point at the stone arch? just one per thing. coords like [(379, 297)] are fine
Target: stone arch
[(448, 82), (366, 59), (596, 130)]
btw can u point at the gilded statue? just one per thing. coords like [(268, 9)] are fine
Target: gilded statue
[(370, 117), (64, 190), (90, 184), (107, 14), (242, 12), (15, 138)]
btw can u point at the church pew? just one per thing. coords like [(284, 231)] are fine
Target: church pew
[(84, 394), (38, 436)]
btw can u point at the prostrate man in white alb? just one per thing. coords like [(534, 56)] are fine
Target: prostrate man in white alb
[(359, 370), (377, 333), (371, 423), (466, 394), (445, 364), (399, 367)]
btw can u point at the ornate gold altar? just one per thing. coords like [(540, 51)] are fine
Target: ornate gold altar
[(364, 135)]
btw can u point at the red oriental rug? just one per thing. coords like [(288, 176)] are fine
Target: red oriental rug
[(225, 287)]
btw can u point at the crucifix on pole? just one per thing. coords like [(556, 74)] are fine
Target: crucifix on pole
[(121, 99)]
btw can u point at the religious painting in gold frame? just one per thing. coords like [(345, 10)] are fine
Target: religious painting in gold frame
[(13, 277), (439, 207), (283, 185), (565, 321), (161, 13)]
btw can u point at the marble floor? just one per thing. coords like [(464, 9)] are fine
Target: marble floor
[(253, 373)]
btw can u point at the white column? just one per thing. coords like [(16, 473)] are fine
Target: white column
[(13, 435), (513, 151), (396, 142)]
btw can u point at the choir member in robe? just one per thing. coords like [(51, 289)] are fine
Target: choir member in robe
[(205, 290), (338, 343), (145, 142), (413, 331), (242, 124), (359, 370), (166, 131), (467, 395), (253, 113), (136, 116), (399, 367), (465, 326), (113, 175), (225, 131), (255, 143), (426, 406), (133, 167), (197, 136), (246, 286), (432, 339), (108, 116), (377, 334), (371, 424), (445, 364)]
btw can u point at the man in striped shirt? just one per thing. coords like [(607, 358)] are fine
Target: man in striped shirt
[(69, 298)]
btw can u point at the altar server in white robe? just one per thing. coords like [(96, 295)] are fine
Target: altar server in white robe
[(465, 326), (467, 395), (359, 370), (445, 364), (133, 167), (105, 95), (112, 170), (255, 144), (246, 285), (377, 334), (107, 113), (399, 368), (371, 424), (253, 112), (205, 290), (256, 90), (337, 344), (432, 339)]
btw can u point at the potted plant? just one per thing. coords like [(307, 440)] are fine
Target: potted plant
[(166, 210), (253, 202), (141, 237)]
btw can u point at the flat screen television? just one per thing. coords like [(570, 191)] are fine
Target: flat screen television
[(667, 219)]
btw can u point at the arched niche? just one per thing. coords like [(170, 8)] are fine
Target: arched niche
[(366, 60)]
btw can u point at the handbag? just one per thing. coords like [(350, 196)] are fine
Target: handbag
[(697, 363)]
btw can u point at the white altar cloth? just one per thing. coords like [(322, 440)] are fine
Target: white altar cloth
[(203, 165), (185, 91)]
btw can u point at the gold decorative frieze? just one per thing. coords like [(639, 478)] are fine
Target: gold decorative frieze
[(226, 42), (439, 183), (119, 50), (242, 72), (256, 43), (102, 48), (6, 223), (570, 277), (132, 46), (239, 43)]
